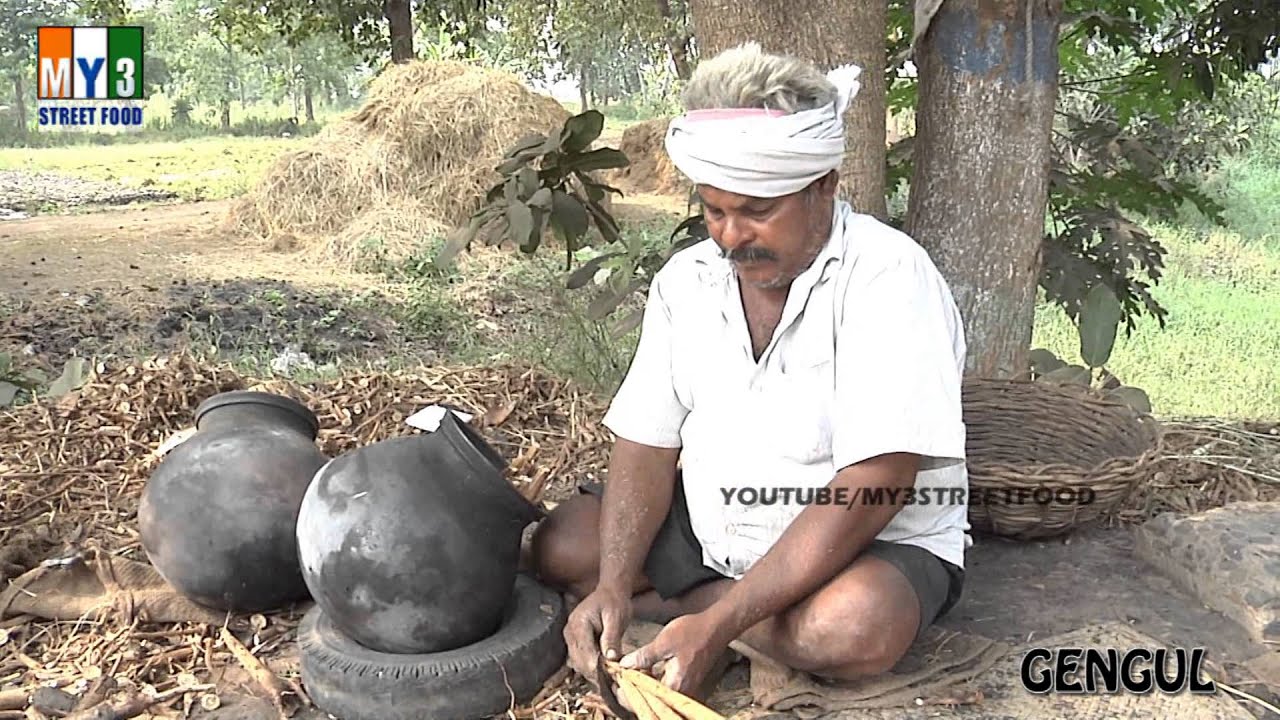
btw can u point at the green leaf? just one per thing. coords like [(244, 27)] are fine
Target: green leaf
[(540, 217), (587, 270), (457, 240), (1100, 317), (541, 199), (1068, 375), (627, 324), (8, 391), (605, 223), (580, 131), (527, 179), (1136, 398), (509, 166), (569, 214), (528, 142), (520, 222), (601, 159), (607, 302), (75, 373), (496, 192), (596, 190), (1044, 361)]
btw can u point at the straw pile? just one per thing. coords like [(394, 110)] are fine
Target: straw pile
[(414, 160), (650, 170), (71, 473), (1209, 463)]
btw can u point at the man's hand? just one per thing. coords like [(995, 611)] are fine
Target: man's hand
[(687, 647), (595, 626)]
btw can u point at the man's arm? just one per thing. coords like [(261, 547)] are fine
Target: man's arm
[(636, 500), (646, 417), (822, 541)]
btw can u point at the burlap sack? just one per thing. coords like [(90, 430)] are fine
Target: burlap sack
[(96, 585)]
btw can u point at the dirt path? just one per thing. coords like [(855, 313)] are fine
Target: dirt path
[(128, 248), (125, 248)]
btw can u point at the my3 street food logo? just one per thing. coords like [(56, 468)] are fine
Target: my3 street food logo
[(89, 79), (1141, 671)]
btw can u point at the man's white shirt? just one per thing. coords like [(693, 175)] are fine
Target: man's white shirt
[(867, 359)]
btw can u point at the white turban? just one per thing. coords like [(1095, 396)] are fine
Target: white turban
[(763, 153)]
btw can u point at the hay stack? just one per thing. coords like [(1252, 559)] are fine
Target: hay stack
[(414, 160), (650, 170)]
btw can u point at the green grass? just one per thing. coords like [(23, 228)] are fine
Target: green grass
[(1219, 353), (209, 168)]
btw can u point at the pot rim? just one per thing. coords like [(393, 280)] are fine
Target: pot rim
[(465, 438), (468, 441), (256, 397)]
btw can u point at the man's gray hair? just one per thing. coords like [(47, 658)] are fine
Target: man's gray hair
[(747, 77)]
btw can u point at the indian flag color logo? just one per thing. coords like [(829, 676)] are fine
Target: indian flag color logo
[(90, 78)]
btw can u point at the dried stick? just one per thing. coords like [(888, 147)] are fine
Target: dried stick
[(134, 706), (659, 708), (636, 700), (97, 693), (14, 699), (683, 704), (263, 676)]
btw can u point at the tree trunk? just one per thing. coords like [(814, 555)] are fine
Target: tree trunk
[(20, 103), (228, 92), (828, 33), (584, 80), (400, 25), (307, 101), (988, 85), (677, 45)]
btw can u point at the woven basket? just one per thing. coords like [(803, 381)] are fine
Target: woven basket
[(1027, 437)]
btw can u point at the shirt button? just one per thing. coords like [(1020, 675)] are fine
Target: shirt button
[(731, 530)]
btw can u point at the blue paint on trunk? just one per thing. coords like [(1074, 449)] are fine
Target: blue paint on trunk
[(995, 48)]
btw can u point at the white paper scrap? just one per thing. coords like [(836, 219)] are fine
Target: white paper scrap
[(428, 418)]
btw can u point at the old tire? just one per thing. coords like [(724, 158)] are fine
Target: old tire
[(352, 682)]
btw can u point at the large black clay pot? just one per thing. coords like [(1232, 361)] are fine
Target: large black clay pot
[(218, 516), (411, 545)]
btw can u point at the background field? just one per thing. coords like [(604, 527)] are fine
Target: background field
[(1218, 354)]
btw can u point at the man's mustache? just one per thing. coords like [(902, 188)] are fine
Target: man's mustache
[(748, 253)]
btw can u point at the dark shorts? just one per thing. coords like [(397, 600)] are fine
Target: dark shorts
[(674, 565)]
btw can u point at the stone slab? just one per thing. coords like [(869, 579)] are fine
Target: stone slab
[(1228, 557)]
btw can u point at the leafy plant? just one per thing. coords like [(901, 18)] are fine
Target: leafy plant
[(1099, 322), (546, 183), (75, 373), (13, 381)]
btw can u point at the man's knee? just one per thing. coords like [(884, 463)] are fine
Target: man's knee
[(564, 545), (862, 624)]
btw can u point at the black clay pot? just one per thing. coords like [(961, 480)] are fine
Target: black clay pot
[(218, 516), (411, 545)]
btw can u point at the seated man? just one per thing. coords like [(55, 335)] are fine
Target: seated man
[(799, 359)]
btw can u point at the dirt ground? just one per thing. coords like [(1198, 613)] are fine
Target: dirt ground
[(129, 248)]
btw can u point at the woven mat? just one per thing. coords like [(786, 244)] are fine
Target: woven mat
[(935, 670), (1003, 697)]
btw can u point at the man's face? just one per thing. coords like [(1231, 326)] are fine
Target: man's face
[(770, 241)]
